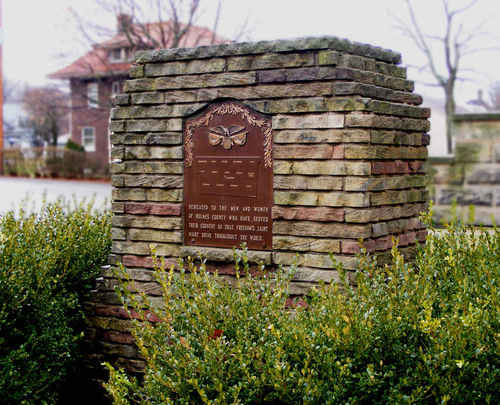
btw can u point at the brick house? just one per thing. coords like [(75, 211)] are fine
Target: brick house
[(97, 76)]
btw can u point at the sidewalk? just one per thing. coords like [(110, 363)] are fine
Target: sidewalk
[(13, 190)]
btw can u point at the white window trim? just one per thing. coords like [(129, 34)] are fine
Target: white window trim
[(122, 58), (92, 146), (92, 94)]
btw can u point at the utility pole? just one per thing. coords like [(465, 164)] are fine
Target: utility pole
[(1, 92)]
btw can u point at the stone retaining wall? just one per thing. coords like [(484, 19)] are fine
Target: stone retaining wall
[(349, 146), (474, 179)]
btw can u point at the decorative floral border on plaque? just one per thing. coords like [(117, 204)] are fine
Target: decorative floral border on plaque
[(233, 109)]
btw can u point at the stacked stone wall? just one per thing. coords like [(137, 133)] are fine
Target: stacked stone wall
[(349, 146), (474, 178)]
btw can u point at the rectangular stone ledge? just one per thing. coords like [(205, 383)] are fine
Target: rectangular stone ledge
[(375, 79), (153, 152), (224, 255), (156, 111), (370, 120), (311, 105), (147, 181), (152, 209), (316, 260), (367, 215), (153, 139), (398, 167), (390, 197), (385, 152), (325, 168), (343, 88), (147, 98), (185, 67), (326, 183), (321, 214), (384, 183), (326, 199), (395, 227), (264, 47), (314, 136), (249, 93), (302, 244), (270, 61), (308, 121), (141, 194), (144, 248), (141, 167), (395, 137), (152, 125), (152, 235), (322, 230), (314, 275), (150, 222), (303, 152)]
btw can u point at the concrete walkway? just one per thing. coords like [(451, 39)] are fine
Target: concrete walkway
[(16, 192)]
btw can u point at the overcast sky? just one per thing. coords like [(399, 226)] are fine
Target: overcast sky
[(41, 36)]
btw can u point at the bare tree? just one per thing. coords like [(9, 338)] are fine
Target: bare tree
[(47, 109), (459, 40), (153, 24), (494, 94)]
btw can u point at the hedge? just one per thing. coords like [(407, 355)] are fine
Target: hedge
[(422, 333), (48, 263)]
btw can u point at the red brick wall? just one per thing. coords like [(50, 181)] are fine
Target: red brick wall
[(84, 116)]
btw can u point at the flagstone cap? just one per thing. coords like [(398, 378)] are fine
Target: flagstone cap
[(283, 45)]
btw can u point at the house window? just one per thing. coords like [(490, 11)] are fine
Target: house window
[(115, 55), (88, 139), (115, 88), (92, 95)]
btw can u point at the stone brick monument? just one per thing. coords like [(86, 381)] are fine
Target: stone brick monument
[(296, 146)]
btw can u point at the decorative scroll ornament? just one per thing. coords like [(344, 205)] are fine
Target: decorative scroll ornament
[(214, 134), (233, 135)]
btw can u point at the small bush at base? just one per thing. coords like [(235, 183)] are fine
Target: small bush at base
[(48, 262), (425, 333)]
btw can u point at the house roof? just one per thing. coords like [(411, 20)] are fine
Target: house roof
[(96, 62)]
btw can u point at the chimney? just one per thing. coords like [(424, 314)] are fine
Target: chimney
[(123, 22)]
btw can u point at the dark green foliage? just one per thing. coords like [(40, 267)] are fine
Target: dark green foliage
[(48, 261), (407, 334), (71, 145)]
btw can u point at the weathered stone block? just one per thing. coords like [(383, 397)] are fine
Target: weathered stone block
[(153, 209), (204, 80), (185, 68), (308, 183), (325, 230), (300, 244), (164, 195), (309, 214), (151, 222), (145, 248), (151, 167), (148, 98), (309, 151), (154, 235), (268, 61), (327, 120)]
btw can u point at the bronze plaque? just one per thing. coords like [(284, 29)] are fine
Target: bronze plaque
[(228, 178)]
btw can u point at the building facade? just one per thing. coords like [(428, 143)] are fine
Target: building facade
[(98, 75)]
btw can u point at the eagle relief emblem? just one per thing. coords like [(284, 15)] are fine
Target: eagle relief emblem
[(234, 135)]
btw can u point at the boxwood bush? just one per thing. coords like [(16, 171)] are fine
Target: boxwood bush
[(422, 333), (48, 261)]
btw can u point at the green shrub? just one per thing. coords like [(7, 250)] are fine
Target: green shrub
[(48, 261), (425, 334)]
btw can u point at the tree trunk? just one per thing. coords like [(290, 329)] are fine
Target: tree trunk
[(450, 112)]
